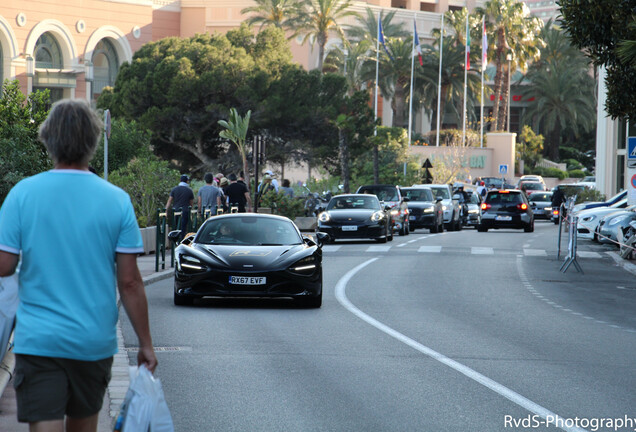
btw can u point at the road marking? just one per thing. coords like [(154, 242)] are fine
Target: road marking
[(500, 389), (588, 254), (378, 248), (432, 249), (481, 251), (534, 252), (330, 248)]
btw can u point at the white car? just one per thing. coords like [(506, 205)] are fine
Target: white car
[(590, 218)]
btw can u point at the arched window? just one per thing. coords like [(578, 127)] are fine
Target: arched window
[(47, 53), (105, 65)]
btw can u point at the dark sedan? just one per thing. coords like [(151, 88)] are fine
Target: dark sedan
[(425, 211), (248, 255), (356, 216)]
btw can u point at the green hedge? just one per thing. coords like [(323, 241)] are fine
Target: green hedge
[(577, 173)]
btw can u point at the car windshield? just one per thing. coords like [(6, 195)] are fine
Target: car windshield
[(384, 193), (540, 196), (418, 194), (248, 231), (532, 186), (440, 192), (354, 202), (504, 198), (474, 198)]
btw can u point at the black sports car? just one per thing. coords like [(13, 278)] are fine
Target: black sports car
[(356, 216), (248, 255)]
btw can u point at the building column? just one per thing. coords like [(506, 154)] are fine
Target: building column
[(606, 144), (30, 73)]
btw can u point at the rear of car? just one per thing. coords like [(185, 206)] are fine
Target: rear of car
[(506, 209)]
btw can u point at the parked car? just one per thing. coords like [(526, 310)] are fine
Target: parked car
[(450, 206), (531, 178), (506, 209), (541, 204), (248, 255), (589, 181), (356, 216), (391, 196), (609, 226), (592, 204), (425, 211), (588, 219)]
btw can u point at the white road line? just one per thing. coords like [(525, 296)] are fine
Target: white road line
[(463, 369), (433, 249), (378, 249), (330, 248), (588, 254), (481, 251), (534, 252), (401, 245)]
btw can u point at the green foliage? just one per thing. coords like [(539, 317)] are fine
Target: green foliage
[(576, 173), (598, 27), (127, 141), (283, 205), (567, 153), (573, 164), (549, 172), (590, 194), (452, 138), (21, 154), (529, 147), (148, 180)]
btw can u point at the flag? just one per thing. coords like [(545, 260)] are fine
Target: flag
[(381, 39), (418, 48), (467, 46), (484, 47)]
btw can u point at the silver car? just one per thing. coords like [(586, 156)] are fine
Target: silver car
[(452, 220), (541, 204)]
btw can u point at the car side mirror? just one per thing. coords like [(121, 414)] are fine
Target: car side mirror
[(174, 235), (387, 207), (407, 199), (309, 241), (439, 200), (322, 238)]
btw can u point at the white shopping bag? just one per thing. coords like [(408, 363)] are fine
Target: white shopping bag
[(8, 307), (144, 408)]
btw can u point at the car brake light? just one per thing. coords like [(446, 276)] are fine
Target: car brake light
[(522, 206), (504, 191), (485, 206), (555, 212)]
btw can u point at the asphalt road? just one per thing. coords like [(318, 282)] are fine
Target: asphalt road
[(460, 331)]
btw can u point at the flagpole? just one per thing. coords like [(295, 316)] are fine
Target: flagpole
[(439, 81), (483, 68), (377, 65), (411, 90), (465, 81)]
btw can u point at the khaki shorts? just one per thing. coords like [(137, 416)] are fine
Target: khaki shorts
[(49, 388)]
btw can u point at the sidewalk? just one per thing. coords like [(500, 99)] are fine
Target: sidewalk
[(119, 382)]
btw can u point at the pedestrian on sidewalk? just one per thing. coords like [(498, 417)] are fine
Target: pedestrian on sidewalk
[(78, 239), (209, 196), (181, 198), (238, 194)]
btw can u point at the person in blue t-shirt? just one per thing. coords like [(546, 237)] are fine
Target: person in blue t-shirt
[(78, 240)]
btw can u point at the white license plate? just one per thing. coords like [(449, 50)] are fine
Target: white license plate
[(411, 217), (247, 280), (350, 228), (503, 218)]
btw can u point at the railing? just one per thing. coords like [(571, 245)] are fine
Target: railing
[(549, 164)]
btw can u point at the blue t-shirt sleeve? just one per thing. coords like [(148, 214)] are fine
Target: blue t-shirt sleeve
[(129, 240), (10, 224)]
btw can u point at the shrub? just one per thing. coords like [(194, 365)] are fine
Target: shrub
[(148, 181), (576, 173), (283, 205), (550, 172), (590, 194)]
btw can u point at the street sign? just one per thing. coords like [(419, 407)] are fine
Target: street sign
[(503, 169), (427, 178), (631, 152)]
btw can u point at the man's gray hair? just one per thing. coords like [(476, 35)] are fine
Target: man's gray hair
[(71, 132)]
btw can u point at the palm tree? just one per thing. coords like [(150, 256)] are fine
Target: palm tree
[(236, 131), (562, 89), (515, 34), (317, 18), (350, 62), (366, 27), (279, 13)]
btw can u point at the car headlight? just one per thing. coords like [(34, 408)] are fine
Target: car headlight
[(429, 210), (304, 266), (395, 212), (188, 263), (473, 211), (324, 217), (614, 221), (444, 207), (377, 216), (547, 208)]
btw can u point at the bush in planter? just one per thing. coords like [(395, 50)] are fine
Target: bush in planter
[(148, 181), (576, 173), (550, 172), (283, 205)]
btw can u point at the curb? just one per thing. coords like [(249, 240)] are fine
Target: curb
[(622, 262)]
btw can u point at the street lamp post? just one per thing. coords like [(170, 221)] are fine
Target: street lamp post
[(509, 58), (30, 73), (88, 77)]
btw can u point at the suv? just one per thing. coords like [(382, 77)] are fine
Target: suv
[(451, 209), (506, 209), (391, 196)]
